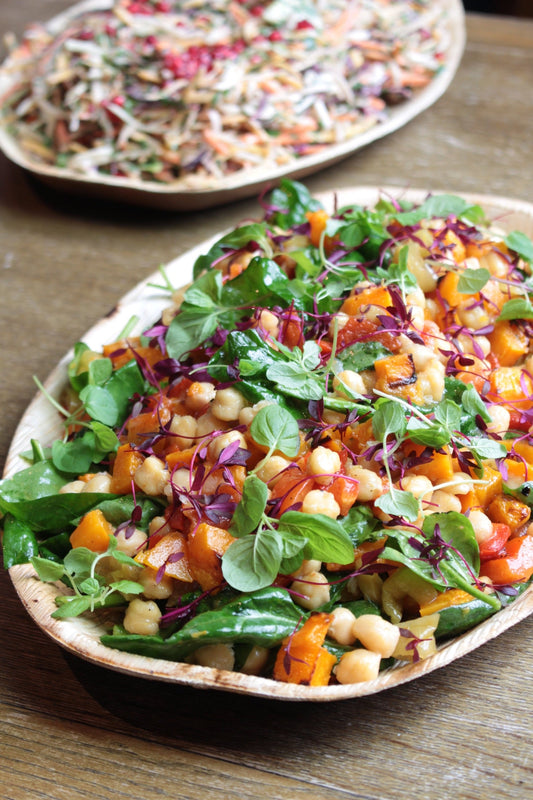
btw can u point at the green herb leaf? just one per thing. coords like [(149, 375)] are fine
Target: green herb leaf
[(520, 244), (362, 355), (473, 280), (250, 509), (327, 540), (389, 417), (253, 562), (48, 571), (276, 428), (517, 308), (399, 503)]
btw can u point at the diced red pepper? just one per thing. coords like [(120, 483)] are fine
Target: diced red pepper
[(494, 545), (516, 565)]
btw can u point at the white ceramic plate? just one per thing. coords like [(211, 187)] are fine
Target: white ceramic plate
[(82, 636), (179, 196)]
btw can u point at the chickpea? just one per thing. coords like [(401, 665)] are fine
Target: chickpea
[(272, 469), (217, 445), (500, 419), (370, 484), (495, 263), (416, 298), (142, 617), (155, 589), (199, 395), (348, 383), (432, 381), (269, 322), (207, 424), (255, 661), (421, 269), (358, 666), (460, 484), (216, 656), (423, 356), (307, 566), (101, 482), (318, 501), (472, 345), (338, 322), (371, 587), (417, 316), (312, 591), (181, 478), (481, 524), (247, 414), (74, 487), (131, 543), (152, 476), (158, 525), (376, 634), (442, 502), (322, 464), (472, 316), (341, 626), (418, 485), (184, 428), (227, 404), (333, 417)]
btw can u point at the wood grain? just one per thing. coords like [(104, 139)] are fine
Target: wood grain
[(71, 729)]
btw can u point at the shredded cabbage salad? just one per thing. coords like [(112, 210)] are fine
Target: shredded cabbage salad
[(317, 463), (193, 91)]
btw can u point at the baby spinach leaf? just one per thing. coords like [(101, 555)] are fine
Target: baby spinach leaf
[(234, 240), (19, 543), (290, 203), (263, 618)]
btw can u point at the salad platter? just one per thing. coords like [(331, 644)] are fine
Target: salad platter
[(82, 635), (301, 117)]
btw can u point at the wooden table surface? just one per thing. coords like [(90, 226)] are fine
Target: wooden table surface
[(69, 729)]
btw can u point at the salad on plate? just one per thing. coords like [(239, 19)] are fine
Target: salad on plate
[(315, 464)]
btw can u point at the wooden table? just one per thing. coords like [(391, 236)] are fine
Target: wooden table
[(69, 729)]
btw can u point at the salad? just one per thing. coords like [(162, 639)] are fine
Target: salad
[(167, 91), (317, 462)]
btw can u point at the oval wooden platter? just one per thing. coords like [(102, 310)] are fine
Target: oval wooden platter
[(81, 636), (182, 195)]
